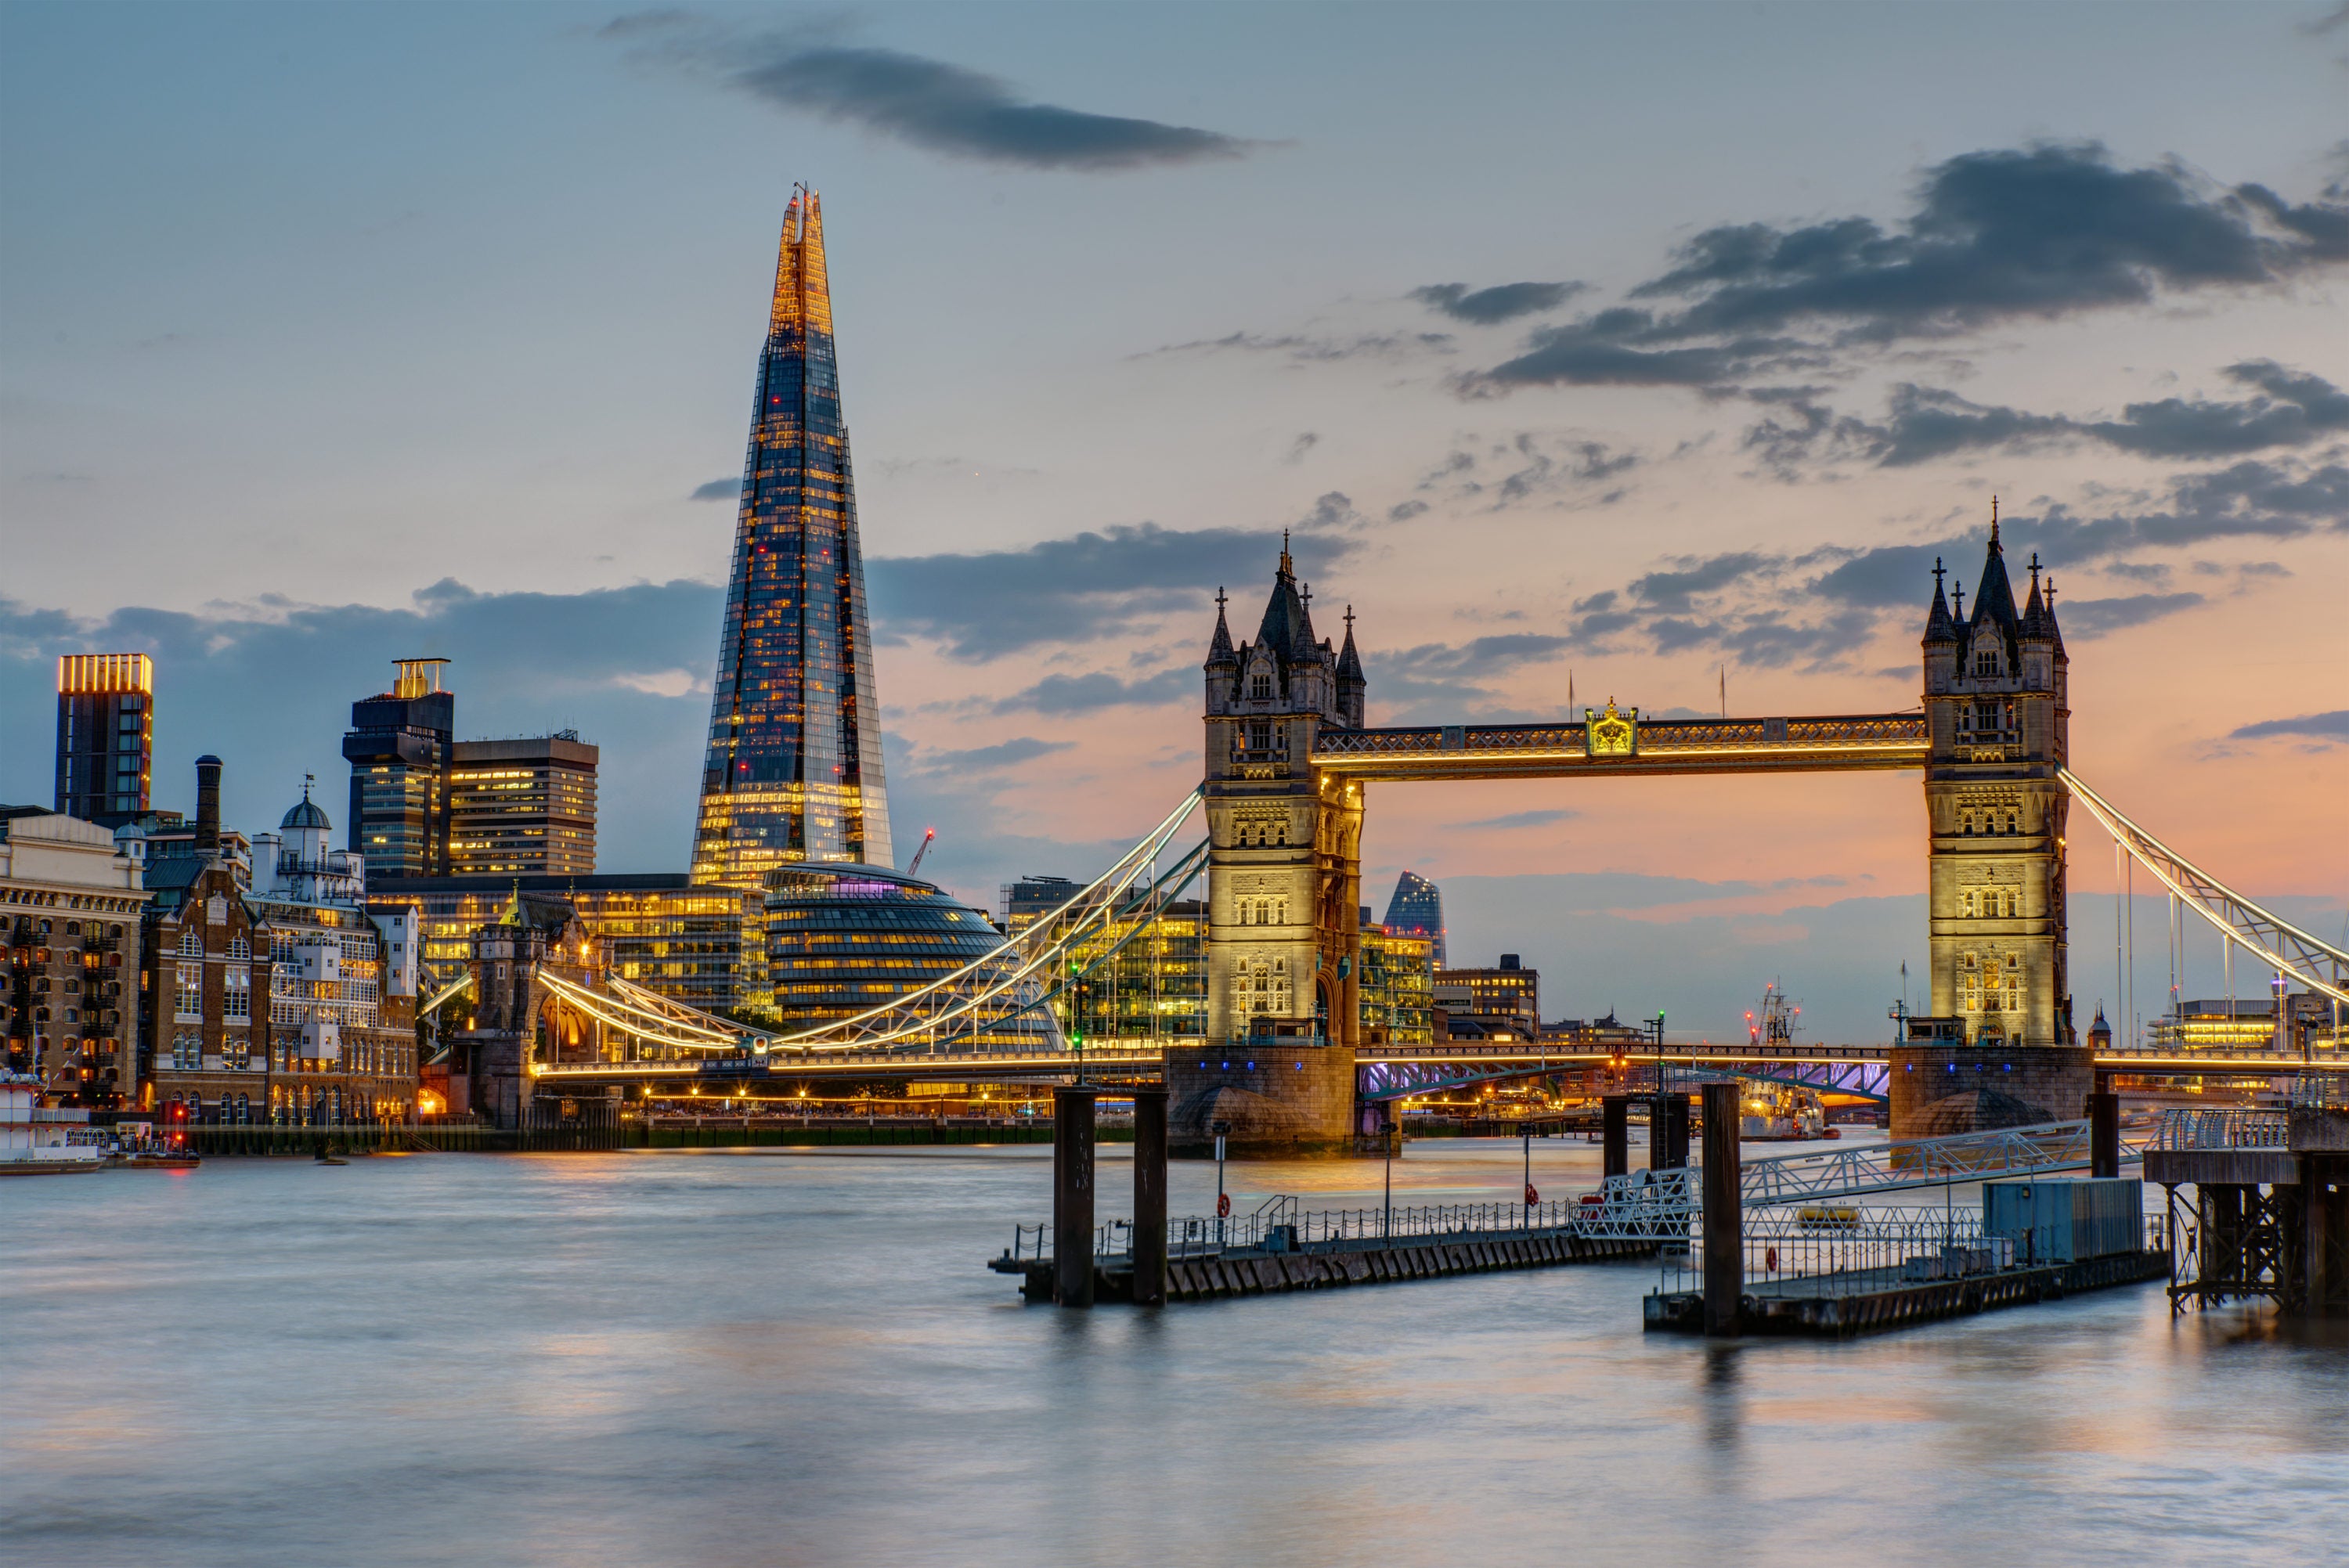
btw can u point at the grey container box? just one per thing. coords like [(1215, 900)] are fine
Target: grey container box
[(2065, 1220)]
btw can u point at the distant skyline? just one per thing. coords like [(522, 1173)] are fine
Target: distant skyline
[(1629, 346)]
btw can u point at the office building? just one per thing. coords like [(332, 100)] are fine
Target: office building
[(1509, 994), (1023, 902), (524, 806), (70, 902), (399, 750), (793, 767), (1398, 998), (2305, 1020), (699, 945), (842, 940), (106, 736), (1417, 910)]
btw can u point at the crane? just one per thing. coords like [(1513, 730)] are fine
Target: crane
[(929, 834)]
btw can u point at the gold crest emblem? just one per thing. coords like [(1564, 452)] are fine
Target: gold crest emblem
[(1615, 733)]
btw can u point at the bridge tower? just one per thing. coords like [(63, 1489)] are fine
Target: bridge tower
[(1284, 879), (1997, 713)]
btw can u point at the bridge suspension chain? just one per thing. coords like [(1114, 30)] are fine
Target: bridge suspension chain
[(1009, 987), (2281, 945)]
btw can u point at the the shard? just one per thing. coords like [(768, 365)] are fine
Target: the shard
[(794, 771)]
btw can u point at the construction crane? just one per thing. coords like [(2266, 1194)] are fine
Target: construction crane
[(929, 834)]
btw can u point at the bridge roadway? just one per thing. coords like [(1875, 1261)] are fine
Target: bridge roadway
[(1854, 742), (1387, 1072)]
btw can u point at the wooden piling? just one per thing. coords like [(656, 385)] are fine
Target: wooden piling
[(1149, 1197), (1668, 1132), (2104, 1133), (1072, 1195), (1615, 1134), (1724, 1226)]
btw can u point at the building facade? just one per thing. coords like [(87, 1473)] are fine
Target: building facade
[(699, 945), (70, 904), (270, 1003), (793, 767), (1397, 987), (1509, 992), (841, 940), (1998, 708), (106, 736), (524, 806), (1416, 909), (398, 747)]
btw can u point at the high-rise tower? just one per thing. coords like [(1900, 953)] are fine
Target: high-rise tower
[(106, 736), (793, 770)]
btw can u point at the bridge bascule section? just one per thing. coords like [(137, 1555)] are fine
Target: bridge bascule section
[(1290, 762)]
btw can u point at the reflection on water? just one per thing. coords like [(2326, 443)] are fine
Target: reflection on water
[(797, 1357)]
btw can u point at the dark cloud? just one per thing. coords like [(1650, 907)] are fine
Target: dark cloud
[(1530, 466), (945, 109), (1672, 591), (2323, 727), (1308, 349), (726, 489), (1088, 693), (1503, 302), (268, 688), (2246, 500), (2288, 408), (1442, 678), (1403, 512), (1993, 236), (1517, 819), (990, 758), (1306, 441), (2094, 617), (983, 606)]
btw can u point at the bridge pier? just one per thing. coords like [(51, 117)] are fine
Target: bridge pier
[(1150, 1197), (1724, 1223), (2103, 1131), (1072, 1195)]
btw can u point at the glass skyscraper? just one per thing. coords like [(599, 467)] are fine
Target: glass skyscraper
[(1417, 910), (793, 770)]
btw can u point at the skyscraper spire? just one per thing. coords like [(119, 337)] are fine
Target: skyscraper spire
[(793, 768)]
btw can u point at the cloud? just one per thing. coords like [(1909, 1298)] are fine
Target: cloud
[(984, 605), (2288, 408), (1516, 819), (1529, 467), (1090, 693), (1403, 512), (1672, 591), (943, 109), (1306, 441), (1304, 348), (1503, 302), (728, 489), (664, 683), (2327, 727), (2095, 617), (1442, 676), (1992, 237), (990, 758)]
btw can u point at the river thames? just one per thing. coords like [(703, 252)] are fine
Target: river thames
[(798, 1357)]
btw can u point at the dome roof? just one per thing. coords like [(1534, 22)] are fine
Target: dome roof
[(305, 815)]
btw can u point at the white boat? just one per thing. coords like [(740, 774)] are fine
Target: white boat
[(44, 1141)]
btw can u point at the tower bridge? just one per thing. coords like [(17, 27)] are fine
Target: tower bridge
[(1289, 764)]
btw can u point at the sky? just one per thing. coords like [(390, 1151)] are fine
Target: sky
[(1634, 350)]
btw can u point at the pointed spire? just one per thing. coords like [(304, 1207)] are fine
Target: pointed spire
[(2055, 632), (1219, 646), (2034, 610), (1287, 569), (1349, 663), (802, 287), (1993, 525), (1939, 627)]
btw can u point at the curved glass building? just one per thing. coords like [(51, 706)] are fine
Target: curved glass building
[(845, 938)]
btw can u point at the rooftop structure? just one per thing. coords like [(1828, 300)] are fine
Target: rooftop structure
[(106, 736)]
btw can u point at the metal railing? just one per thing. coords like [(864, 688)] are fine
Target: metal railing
[(1919, 1162), (2234, 1127), (1822, 1253), (2320, 1092)]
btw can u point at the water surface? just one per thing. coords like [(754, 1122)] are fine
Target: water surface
[(796, 1356)]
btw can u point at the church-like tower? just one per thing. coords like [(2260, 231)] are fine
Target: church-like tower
[(1998, 712), (1283, 841), (793, 768)]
